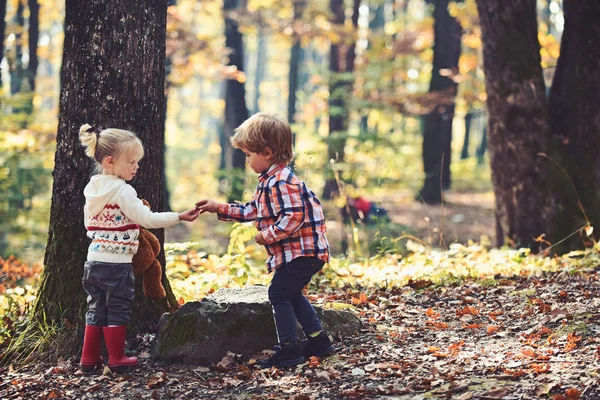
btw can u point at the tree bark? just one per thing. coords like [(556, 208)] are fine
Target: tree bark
[(16, 66), (34, 35), (2, 32), (437, 125), (573, 110), (341, 66), (527, 187), (112, 76), (295, 57), (236, 111)]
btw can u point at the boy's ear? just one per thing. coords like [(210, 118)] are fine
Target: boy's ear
[(268, 153)]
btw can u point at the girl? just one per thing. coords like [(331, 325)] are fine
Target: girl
[(112, 216)]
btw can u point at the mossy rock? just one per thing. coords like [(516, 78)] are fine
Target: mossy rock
[(231, 320)]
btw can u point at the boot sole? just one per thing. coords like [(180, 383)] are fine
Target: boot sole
[(91, 368), (323, 353), (287, 363), (122, 368)]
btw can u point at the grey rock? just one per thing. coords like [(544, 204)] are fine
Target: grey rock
[(231, 320)]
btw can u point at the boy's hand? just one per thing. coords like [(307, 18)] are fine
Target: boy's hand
[(260, 239), (189, 215), (207, 205)]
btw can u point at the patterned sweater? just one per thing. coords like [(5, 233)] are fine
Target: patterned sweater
[(113, 215)]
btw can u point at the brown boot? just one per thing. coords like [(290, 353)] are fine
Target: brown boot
[(90, 355), (114, 336)]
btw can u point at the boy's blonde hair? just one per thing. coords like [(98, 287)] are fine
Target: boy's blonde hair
[(264, 130), (116, 143)]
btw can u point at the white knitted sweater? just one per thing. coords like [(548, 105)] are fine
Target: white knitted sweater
[(112, 216)]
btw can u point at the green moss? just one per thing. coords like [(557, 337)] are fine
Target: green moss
[(179, 330)]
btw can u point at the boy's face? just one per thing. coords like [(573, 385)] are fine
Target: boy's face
[(259, 162)]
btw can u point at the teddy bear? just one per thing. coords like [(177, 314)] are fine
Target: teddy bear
[(145, 263)]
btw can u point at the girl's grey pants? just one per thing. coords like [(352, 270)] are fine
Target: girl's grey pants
[(110, 288)]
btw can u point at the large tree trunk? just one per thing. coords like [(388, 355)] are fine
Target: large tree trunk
[(112, 76), (437, 125), (527, 186), (341, 66), (236, 111), (574, 118)]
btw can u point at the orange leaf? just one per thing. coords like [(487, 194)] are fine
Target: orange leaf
[(492, 329), (431, 313), (467, 310), (573, 394)]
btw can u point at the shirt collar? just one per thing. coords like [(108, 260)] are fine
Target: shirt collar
[(275, 168)]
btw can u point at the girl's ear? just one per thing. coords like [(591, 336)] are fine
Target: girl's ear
[(110, 160)]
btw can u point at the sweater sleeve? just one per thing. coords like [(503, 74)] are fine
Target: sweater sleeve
[(135, 210)]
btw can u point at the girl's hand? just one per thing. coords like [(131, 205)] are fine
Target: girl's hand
[(189, 215), (207, 205)]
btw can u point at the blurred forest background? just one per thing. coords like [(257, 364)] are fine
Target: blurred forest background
[(365, 95)]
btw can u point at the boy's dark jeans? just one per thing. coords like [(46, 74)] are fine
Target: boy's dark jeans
[(288, 302), (110, 288)]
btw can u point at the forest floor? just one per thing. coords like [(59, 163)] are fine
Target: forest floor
[(510, 338), (519, 337)]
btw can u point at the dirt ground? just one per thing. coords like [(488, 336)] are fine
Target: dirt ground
[(462, 217), (515, 338)]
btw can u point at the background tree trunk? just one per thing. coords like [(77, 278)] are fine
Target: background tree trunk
[(16, 62), (527, 187), (295, 61), (236, 111), (110, 82), (573, 104), (2, 33), (437, 125), (341, 67), (34, 35)]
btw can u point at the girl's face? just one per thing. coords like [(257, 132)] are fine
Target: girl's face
[(259, 162), (126, 165)]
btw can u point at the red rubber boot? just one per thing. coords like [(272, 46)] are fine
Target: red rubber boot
[(90, 356), (114, 336)]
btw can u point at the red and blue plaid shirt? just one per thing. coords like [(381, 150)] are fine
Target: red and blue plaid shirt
[(287, 213)]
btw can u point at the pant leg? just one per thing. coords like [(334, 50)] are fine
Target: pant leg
[(96, 291), (281, 290), (120, 287), (287, 284), (306, 315)]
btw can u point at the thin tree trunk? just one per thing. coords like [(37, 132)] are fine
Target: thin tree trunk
[(464, 154), (108, 82), (295, 56), (260, 66), (236, 111), (526, 186), (2, 33), (16, 67), (437, 125), (34, 35), (341, 66)]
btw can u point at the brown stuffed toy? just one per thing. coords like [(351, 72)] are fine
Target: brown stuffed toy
[(145, 263)]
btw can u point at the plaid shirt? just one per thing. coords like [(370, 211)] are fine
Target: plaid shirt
[(287, 213)]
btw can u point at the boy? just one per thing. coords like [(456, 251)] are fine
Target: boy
[(291, 226)]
